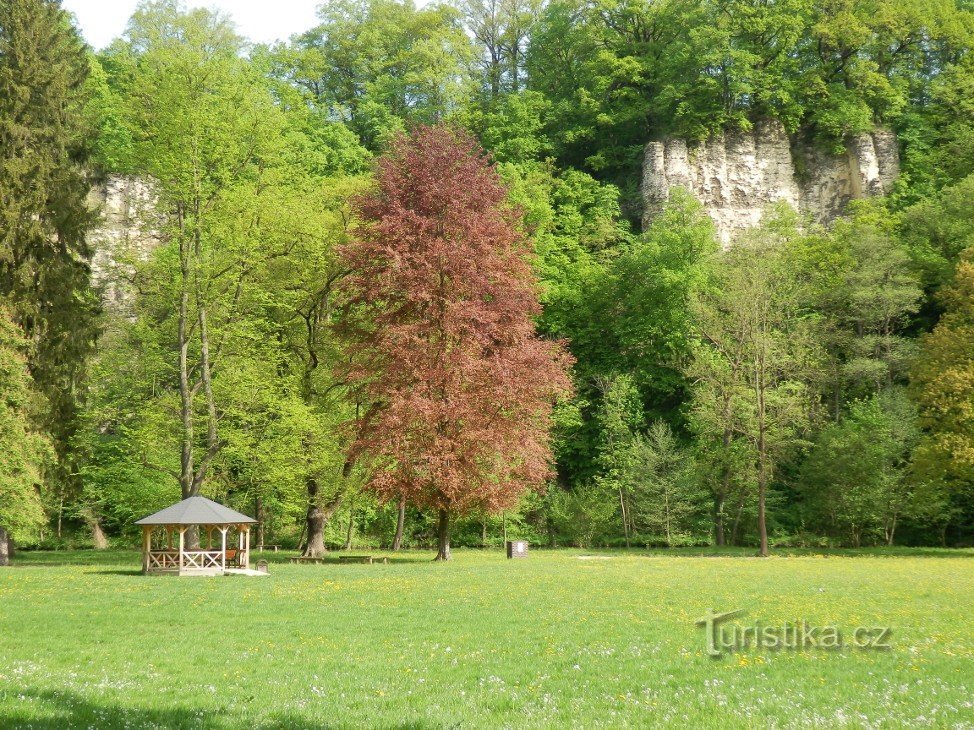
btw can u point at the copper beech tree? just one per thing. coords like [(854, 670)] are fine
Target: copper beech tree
[(439, 315)]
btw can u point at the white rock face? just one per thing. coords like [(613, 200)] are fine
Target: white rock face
[(737, 176), (128, 232)]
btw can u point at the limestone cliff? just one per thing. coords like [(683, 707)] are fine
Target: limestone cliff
[(129, 230), (737, 176)]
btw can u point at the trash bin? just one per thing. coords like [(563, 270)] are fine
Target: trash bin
[(517, 548)]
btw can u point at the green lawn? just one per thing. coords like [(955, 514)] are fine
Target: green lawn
[(554, 640)]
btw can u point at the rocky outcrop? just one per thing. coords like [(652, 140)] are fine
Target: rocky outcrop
[(128, 232), (737, 176)]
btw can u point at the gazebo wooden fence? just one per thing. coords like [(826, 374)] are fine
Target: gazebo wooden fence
[(166, 547)]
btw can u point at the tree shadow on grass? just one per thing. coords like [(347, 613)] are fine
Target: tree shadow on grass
[(287, 721), (791, 552), (65, 709), (119, 571), (58, 709), (335, 558)]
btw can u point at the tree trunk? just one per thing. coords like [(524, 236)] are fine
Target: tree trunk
[(762, 459), (212, 439), (315, 520), (98, 538), (400, 525), (891, 531), (319, 516), (351, 527), (4, 548), (762, 489), (304, 530), (261, 516), (185, 391), (725, 477), (443, 533), (625, 517), (719, 538), (739, 514)]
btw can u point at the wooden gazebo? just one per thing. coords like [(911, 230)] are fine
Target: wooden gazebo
[(164, 543)]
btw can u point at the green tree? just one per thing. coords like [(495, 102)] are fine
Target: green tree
[(207, 132), (941, 382), (935, 231), (856, 478), (501, 32), (648, 288), (866, 292), (666, 493), (756, 350), (381, 65), (583, 514), (43, 214), (619, 417), (23, 452), (620, 72)]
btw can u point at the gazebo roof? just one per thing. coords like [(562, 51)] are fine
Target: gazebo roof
[(196, 511)]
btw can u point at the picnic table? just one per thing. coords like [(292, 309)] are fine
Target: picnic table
[(362, 559), (366, 559)]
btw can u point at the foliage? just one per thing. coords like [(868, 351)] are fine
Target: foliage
[(381, 65), (666, 494), (856, 474), (457, 387), (755, 351), (243, 354), (942, 377), (24, 453), (936, 230), (44, 275), (583, 515), (620, 72)]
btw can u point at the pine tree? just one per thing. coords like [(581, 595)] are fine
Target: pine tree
[(44, 272)]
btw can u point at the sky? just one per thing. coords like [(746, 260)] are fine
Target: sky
[(261, 21)]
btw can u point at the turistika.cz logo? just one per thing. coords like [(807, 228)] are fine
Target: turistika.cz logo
[(726, 637)]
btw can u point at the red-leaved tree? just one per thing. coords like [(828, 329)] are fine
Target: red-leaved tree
[(439, 316)]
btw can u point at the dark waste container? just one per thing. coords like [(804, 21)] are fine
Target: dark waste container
[(517, 548)]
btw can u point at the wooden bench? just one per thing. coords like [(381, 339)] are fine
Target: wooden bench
[(306, 559), (269, 548), (368, 559)]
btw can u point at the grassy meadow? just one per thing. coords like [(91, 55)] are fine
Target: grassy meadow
[(561, 639)]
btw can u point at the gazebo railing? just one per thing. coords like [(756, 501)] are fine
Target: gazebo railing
[(163, 559), (202, 559)]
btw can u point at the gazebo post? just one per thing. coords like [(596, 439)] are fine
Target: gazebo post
[(182, 532), (246, 529), (223, 547), (146, 547)]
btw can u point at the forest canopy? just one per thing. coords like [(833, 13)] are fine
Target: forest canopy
[(810, 384)]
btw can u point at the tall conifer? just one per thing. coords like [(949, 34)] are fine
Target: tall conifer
[(44, 182)]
